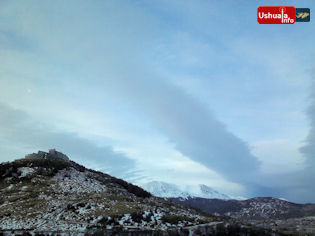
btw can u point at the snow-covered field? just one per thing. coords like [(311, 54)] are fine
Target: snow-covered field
[(73, 181)]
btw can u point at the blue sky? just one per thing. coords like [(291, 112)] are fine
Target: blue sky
[(178, 91)]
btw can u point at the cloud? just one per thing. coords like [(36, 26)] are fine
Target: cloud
[(309, 149), (296, 185), (76, 56), (278, 156), (115, 62), (18, 129), (191, 127)]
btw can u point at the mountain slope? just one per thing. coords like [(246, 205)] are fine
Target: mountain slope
[(207, 192), (166, 190), (45, 193)]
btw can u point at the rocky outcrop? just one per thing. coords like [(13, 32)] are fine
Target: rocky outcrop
[(52, 154)]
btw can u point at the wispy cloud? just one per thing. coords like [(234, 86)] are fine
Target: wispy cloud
[(18, 128), (186, 122)]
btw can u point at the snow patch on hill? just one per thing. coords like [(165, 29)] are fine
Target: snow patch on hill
[(74, 181), (25, 171)]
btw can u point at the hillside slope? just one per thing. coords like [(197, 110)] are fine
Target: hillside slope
[(47, 194), (259, 208)]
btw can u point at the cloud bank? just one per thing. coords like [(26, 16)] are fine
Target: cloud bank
[(190, 126)]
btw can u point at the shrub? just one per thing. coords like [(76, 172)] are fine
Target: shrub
[(9, 169), (148, 217), (137, 217), (139, 192)]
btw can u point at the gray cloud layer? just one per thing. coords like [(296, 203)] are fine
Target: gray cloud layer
[(309, 148), (190, 126), (18, 128)]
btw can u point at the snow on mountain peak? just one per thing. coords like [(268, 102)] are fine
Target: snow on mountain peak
[(163, 189), (208, 192)]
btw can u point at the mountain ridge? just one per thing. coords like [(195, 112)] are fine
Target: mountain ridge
[(258, 208), (45, 195)]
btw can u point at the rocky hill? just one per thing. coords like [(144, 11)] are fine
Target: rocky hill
[(266, 212), (47, 193), (51, 155)]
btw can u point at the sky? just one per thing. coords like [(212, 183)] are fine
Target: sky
[(185, 92)]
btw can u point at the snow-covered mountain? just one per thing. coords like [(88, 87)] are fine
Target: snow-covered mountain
[(163, 189), (207, 192)]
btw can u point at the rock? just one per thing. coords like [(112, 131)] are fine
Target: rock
[(24, 188), (57, 155), (52, 154)]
